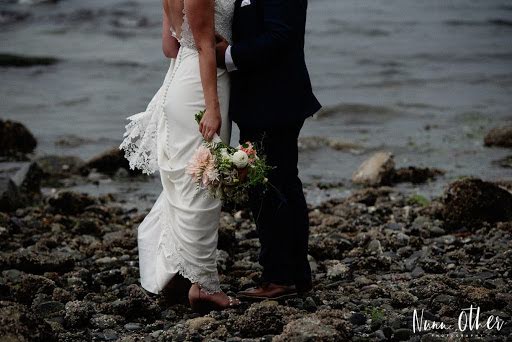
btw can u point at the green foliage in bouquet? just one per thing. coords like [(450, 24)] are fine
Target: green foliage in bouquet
[(199, 116)]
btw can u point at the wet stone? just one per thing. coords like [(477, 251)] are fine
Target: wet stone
[(402, 334), (133, 326), (358, 318), (470, 202)]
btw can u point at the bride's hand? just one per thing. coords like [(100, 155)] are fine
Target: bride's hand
[(210, 123)]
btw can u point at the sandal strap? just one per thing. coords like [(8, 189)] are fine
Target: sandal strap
[(231, 301)]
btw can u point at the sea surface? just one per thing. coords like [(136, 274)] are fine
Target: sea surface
[(423, 79)]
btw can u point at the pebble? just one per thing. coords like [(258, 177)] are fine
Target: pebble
[(375, 247), (358, 318), (417, 272), (402, 334), (133, 326), (106, 260)]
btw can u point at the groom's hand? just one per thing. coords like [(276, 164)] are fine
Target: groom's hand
[(221, 46)]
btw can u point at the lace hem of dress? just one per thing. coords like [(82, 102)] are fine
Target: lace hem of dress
[(207, 280), (140, 137), (139, 144)]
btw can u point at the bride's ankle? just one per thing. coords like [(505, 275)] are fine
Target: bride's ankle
[(195, 290)]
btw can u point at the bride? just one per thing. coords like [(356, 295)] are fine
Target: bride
[(179, 235)]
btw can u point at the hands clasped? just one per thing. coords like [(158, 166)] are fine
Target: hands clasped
[(220, 49)]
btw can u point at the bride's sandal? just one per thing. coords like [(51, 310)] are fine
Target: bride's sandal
[(204, 305)]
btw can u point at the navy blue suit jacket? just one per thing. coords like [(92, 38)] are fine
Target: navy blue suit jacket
[(272, 85)]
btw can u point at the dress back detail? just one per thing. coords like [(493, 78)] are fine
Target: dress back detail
[(224, 10)]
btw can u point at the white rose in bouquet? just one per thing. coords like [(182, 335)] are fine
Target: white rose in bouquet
[(240, 159)]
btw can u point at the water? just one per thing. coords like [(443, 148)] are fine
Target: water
[(423, 79)]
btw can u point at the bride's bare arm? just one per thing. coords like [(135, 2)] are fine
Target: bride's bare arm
[(201, 17), (170, 45)]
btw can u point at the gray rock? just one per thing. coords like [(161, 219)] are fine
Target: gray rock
[(103, 321), (19, 184), (10, 197), (445, 299), (417, 272), (436, 231), (295, 302), (49, 309), (70, 203), (358, 318), (106, 260), (28, 286), (39, 262), (375, 247), (402, 334), (376, 170), (324, 325), (499, 136), (307, 329), (310, 305), (415, 175), (403, 299), (431, 265), (106, 335), (13, 275), (336, 270), (19, 324), (109, 162), (108, 277), (78, 313), (388, 332), (133, 326), (379, 334), (328, 246), (271, 316), (27, 177), (446, 239), (470, 202), (394, 226), (136, 304), (402, 239), (15, 139), (59, 166)]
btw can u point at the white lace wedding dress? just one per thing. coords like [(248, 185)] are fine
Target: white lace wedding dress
[(180, 233)]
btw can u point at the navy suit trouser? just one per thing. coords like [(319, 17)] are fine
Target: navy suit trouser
[(280, 210)]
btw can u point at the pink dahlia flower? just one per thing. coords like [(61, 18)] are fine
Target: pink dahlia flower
[(202, 166)]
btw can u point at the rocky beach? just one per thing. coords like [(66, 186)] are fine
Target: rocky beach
[(406, 172), (69, 260)]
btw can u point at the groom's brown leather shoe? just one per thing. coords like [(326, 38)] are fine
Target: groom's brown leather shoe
[(268, 291)]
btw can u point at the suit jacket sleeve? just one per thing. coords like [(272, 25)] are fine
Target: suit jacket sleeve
[(279, 33)]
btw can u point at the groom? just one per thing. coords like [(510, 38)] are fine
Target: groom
[(271, 96)]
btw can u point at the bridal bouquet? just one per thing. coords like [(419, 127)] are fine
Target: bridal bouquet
[(225, 171)]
